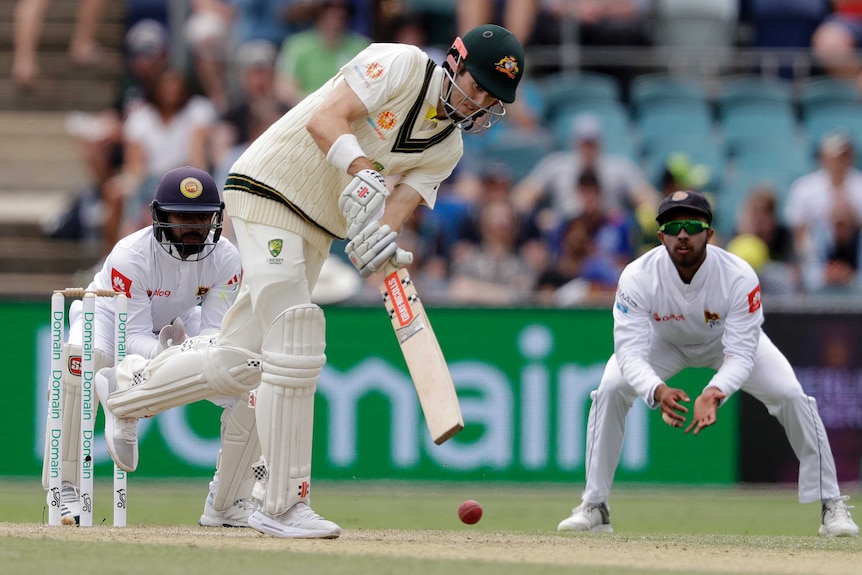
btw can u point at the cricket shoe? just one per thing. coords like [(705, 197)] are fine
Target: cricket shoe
[(588, 517), (70, 504), (298, 522), (835, 520), (121, 433), (234, 516)]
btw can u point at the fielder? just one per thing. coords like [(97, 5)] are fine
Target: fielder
[(180, 277), (315, 175), (689, 304)]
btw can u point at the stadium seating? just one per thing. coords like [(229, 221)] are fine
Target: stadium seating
[(651, 90), (566, 89), (745, 90), (756, 120), (520, 154), (826, 91), (617, 137)]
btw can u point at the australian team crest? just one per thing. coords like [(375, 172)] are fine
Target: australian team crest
[(275, 247), (509, 66)]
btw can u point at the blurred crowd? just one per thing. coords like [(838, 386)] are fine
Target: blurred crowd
[(558, 235)]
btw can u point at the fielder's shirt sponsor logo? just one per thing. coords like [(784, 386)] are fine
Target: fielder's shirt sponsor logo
[(622, 308), (625, 299), (754, 300), (120, 283), (387, 120), (668, 317), (711, 318), (158, 293)]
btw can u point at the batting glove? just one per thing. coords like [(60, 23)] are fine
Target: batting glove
[(373, 247), (172, 334), (362, 199)]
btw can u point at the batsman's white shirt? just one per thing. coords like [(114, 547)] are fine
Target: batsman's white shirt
[(400, 87), (160, 288), (717, 315)]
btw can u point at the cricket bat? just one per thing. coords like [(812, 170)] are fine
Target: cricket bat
[(422, 354)]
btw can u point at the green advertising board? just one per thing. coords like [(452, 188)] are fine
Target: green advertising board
[(523, 376)]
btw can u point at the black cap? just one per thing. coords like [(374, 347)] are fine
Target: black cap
[(495, 59), (684, 201), (188, 189)]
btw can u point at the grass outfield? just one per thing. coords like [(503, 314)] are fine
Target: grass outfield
[(410, 528)]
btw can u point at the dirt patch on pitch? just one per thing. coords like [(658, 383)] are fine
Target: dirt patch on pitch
[(719, 554)]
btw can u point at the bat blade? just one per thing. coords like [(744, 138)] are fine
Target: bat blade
[(424, 358)]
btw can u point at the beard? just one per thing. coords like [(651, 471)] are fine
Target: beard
[(689, 259)]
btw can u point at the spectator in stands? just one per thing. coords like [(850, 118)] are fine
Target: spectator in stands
[(28, 18), (495, 183), (762, 239), (254, 110), (837, 39), (624, 186), (833, 263), (169, 131), (813, 197), (409, 28), (309, 59), (582, 274), (493, 273), (208, 34), (270, 20), (101, 135), (517, 16)]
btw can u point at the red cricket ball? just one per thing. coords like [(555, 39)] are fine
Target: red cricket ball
[(470, 512)]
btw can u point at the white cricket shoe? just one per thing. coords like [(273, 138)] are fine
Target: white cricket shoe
[(70, 505), (298, 522), (234, 516), (588, 517), (835, 520), (121, 434)]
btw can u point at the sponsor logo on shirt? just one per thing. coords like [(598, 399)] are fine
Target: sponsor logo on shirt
[(374, 71), (374, 127), (712, 319), (233, 282), (274, 247), (387, 120), (622, 308), (668, 317), (754, 300), (121, 283), (624, 297), (158, 293)]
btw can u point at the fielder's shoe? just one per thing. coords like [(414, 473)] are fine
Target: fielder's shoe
[(121, 434), (835, 520), (70, 505), (588, 517), (234, 516), (298, 522)]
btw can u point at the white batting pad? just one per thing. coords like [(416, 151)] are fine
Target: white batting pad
[(292, 358), (195, 370), (240, 447)]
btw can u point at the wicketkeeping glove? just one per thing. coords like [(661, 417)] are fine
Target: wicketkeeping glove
[(362, 199), (373, 247), (172, 334)]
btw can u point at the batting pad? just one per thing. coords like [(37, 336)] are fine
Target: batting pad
[(197, 369), (240, 447), (70, 440), (292, 358)]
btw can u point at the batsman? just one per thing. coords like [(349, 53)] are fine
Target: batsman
[(180, 277), (315, 175)]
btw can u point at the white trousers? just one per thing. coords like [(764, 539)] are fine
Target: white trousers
[(772, 382)]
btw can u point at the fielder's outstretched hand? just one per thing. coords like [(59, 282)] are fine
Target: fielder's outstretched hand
[(668, 399), (360, 201), (706, 409)]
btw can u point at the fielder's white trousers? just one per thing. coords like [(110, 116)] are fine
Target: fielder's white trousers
[(772, 382)]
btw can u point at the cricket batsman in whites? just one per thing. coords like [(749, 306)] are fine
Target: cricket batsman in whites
[(315, 175)]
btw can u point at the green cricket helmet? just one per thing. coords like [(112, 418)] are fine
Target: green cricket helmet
[(495, 59)]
